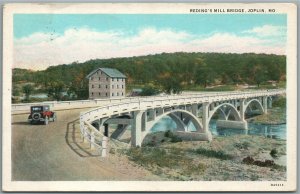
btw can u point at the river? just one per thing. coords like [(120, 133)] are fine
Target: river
[(270, 131)]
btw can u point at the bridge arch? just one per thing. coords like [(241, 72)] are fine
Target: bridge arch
[(256, 102), (181, 123), (232, 110)]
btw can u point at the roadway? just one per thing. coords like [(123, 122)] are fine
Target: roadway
[(56, 152)]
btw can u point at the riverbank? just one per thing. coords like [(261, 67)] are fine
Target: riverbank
[(274, 116), (231, 158)]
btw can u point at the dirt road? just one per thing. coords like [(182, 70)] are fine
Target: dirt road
[(56, 152)]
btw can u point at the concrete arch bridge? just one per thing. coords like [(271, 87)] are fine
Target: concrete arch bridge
[(229, 108)]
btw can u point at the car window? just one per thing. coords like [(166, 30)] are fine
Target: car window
[(36, 108), (46, 108)]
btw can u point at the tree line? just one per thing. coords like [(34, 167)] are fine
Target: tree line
[(168, 72)]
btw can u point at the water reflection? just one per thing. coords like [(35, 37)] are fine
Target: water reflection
[(270, 131)]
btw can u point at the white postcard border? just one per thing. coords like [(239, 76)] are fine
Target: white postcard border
[(143, 8)]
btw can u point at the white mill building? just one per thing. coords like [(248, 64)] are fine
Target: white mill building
[(106, 83)]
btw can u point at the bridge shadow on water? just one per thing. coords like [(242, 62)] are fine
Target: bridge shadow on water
[(75, 141)]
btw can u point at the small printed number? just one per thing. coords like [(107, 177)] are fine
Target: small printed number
[(276, 185)]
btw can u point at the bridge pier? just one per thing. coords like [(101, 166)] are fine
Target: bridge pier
[(232, 124), (136, 129), (270, 102), (152, 115), (265, 104), (205, 116), (194, 109), (242, 109)]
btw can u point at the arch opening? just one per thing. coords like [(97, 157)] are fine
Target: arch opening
[(224, 111), (174, 120), (253, 108)]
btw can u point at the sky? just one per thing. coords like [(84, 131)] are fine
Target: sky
[(43, 40)]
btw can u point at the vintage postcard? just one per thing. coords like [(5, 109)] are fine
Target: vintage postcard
[(149, 97)]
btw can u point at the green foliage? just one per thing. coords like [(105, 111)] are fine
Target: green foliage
[(15, 91), (259, 75), (27, 89), (149, 90), (55, 90), (243, 145), (174, 138), (149, 156), (168, 134), (158, 160), (205, 75), (213, 154), (171, 72), (171, 84), (274, 153), (280, 102)]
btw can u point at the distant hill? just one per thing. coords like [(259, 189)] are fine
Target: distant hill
[(225, 68), (168, 69)]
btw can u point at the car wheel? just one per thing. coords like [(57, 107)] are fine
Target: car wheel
[(46, 120)]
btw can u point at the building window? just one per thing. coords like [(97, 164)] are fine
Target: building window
[(118, 86), (99, 94), (106, 86), (92, 93), (117, 79), (112, 86), (122, 86), (106, 93), (106, 78), (92, 78), (92, 86), (112, 79), (122, 94), (112, 94), (99, 86), (122, 80)]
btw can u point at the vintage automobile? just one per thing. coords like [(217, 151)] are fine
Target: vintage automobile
[(40, 114)]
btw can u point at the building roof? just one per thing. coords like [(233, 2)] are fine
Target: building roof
[(113, 73)]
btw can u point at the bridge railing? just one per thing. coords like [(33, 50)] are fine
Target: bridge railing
[(96, 139), (135, 104), (63, 105), (147, 103)]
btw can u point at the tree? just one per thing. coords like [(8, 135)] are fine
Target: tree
[(259, 77), (27, 89), (55, 90), (171, 84), (15, 91), (149, 90), (205, 76), (79, 86)]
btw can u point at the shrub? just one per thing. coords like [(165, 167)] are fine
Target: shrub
[(153, 142), (274, 153), (175, 139), (194, 169), (213, 154), (168, 134), (280, 102), (244, 145)]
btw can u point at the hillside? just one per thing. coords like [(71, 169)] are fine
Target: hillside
[(170, 72)]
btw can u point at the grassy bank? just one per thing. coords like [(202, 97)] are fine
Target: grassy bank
[(222, 159), (275, 115)]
